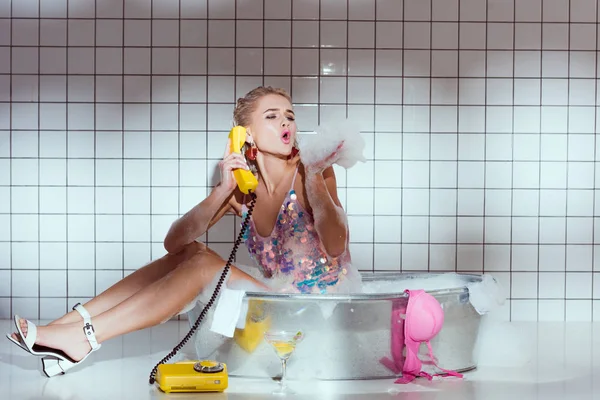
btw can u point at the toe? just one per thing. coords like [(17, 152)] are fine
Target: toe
[(23, 324)]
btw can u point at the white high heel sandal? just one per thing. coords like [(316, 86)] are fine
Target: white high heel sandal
[(54, 361)]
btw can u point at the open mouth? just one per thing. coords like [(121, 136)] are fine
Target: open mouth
[(285, 137)]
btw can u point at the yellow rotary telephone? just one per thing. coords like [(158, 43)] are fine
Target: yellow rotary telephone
[(208, 375)]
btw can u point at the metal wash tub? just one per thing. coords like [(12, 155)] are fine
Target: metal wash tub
[(345, 335)]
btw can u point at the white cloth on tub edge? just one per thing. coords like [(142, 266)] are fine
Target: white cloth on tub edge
[(204, 296)]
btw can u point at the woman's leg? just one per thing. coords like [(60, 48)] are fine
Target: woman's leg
[(129, 285), (149, 306), (132, 283)]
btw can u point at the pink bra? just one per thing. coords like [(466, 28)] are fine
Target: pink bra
[(423, 320)]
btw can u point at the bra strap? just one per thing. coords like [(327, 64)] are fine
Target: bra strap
[(294, 179), (433, 359)]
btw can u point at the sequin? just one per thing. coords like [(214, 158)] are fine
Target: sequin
[(294, 249)]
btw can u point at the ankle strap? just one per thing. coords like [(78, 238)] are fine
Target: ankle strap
[(88, 328)]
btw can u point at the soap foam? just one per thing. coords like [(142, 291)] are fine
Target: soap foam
[(314, 149), (487, 295)]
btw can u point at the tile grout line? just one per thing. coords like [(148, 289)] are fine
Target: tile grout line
[(151, 130), (319, 75), (485, 160), (500, 106), (430, 138), (458, 134), (95, 262), (10, 168), (235, 19), (517, 78), (595, 175), (403, 101), (512, 172), (345, 202), (297, 19), (67, 125), (566, 219), (541, 96), (123, 141), (374, 129), (39, 218), (207, 182), (522, 49), (263, 39), (499, 161), (180, 317)]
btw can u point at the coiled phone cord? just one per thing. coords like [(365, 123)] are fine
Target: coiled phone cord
[(214, 295)]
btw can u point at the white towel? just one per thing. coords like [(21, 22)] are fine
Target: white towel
[(228, 311), (241, 323)]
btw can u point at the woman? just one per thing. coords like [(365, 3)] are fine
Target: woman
[(297, 234)]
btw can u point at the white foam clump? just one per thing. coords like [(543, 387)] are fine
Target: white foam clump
[(487, 295), (315, 148)]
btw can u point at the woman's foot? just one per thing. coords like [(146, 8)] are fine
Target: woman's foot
[(71, 317), (68, 338)]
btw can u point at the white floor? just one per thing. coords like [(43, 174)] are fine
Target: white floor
[(557, 361)]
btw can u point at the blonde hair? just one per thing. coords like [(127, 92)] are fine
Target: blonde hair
[(247, 105), (244, 108)]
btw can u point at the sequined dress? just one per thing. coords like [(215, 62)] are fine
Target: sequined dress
[(293, 250)]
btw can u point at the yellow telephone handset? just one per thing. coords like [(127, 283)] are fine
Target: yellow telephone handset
[(245, 179)]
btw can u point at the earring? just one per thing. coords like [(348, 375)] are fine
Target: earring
[(252, 152)]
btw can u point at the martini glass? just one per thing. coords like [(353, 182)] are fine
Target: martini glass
[(284, 343)]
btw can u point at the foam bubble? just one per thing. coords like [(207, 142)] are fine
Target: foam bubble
[(314, 149)]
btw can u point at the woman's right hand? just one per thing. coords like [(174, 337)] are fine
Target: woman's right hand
[(230, 162)]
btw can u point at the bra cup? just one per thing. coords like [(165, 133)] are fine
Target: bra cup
[(424, 317)]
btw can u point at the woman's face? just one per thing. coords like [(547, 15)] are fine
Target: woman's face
[(273, 126)]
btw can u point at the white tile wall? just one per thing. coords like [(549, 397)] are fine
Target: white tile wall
[(479, 117)]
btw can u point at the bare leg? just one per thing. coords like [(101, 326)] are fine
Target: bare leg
[(161, 299), (132, 283)]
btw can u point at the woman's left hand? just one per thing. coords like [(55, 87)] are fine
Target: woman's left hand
[(322, 165)]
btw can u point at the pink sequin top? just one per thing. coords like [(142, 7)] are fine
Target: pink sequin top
[(294, 249)]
